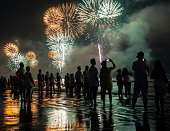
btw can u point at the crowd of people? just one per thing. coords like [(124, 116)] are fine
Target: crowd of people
[(86, 83)]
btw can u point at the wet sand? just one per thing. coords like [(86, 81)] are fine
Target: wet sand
[(60, 112)]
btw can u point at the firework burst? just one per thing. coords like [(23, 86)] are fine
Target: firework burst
[(100, 13), (13, 62), (30, 55), (52, 16), (63, 47), (52, 54), (71, 24), (11, 49), (63, 19), (33, 63), (52, 31)]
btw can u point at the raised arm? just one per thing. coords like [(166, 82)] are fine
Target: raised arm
[(114, 66)]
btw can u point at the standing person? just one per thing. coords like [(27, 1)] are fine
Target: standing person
[(86, 78), (66, 82), (58, 80), (29, 83), (40, 81), (141, 69), (119, 84), (71, 83), (160, 81), (94, 82), (79, 81), (52, 82), (106, 80), (47, 80), (21, 80), (127, 82)]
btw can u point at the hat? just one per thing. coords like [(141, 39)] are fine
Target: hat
[(140, 54)]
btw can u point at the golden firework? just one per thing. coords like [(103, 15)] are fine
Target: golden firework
[(11, 49), (52, 54), (30, 56), (52, 16), (63, 19), (71, 24), (52, 31), (33, 63)]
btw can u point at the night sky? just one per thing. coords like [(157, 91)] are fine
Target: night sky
[(22, 20)]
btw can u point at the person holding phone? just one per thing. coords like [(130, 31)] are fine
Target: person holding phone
[(106, 80)]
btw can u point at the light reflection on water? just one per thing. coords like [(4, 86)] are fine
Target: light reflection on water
[(59, 112), (58, 119)]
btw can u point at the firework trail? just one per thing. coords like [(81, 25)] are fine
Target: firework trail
[(100, 13), (62, 46)]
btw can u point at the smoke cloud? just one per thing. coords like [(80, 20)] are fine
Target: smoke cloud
[(142, 32)]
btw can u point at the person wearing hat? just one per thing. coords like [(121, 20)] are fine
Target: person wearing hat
[(141, 69)]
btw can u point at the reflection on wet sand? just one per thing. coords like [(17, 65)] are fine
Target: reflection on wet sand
[(60, 112)]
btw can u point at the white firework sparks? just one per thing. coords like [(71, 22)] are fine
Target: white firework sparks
[(13, 62), (63, 46), (100, 13)]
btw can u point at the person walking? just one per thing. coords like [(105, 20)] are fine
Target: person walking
[(106, 80), (141, 69), (160, 81), (94, 82)]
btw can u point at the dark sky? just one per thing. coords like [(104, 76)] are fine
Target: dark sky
[(23, 18)]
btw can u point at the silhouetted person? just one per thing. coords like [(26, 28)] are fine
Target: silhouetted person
[(66, 82), (160, 81), (29, 83), (58, 80), (52, 82), (47, 80), (86, 78), (71, 84), (119, 83), (106, 80), (40, 81), (21, 80), (79, 81), (127, 82), (94, 82), (141, 69)]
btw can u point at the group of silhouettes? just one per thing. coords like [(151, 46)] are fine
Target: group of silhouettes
[(88, 81)]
